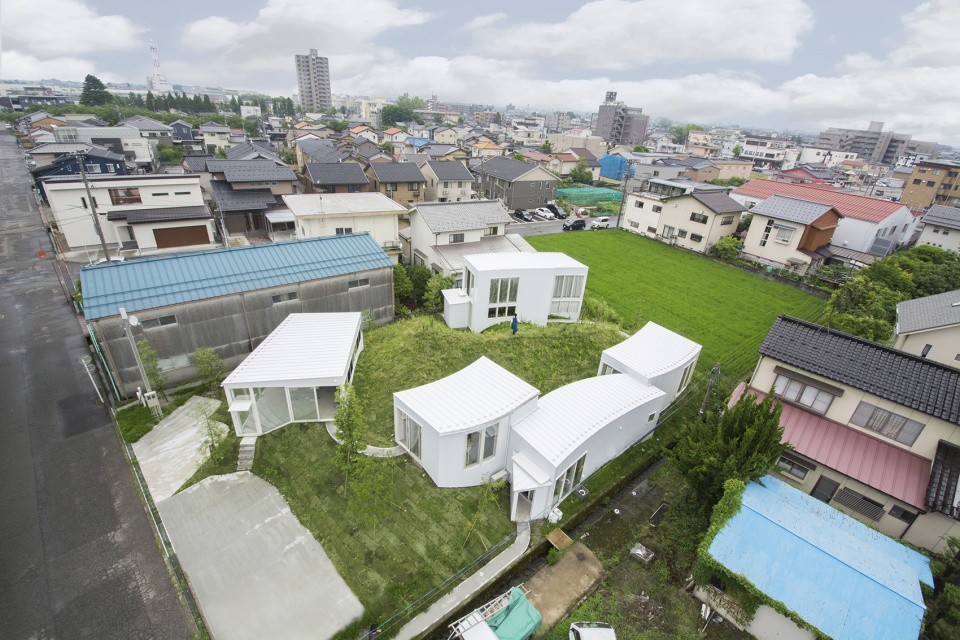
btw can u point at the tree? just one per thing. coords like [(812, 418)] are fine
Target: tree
[(374, 481), (391, 114), (737, 150), (288, 156), (581, 173), (207, 104), (519, 156), (419, 276), (348, 419), (234, 106), (402, 284), (221, 153), (171, 154), (742, 443), (151, 366), (406, 102), (386, 147), (682, 133), (498, 118), (727, 248), (211, 370), (546, 147), (639, 148), (943, 601), (432, 298), (337, 125), (94, 92), (151, 101)]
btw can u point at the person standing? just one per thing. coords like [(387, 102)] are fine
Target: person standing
[(514, 324)]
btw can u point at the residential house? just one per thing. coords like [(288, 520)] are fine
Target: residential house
[(486, 149), (703, 150), (150, 129), (483, 422), (593, 165), (447, 181), (342, 177), (246, 190), (328, 214), (941, 228), (39, 120), (228, 299), (687, 214), (295, 374), (125, 140), (564, 142), (698, 169), (733, 169), (444, 152), (768, 152), (519, 185), (789, 233), (535, 287), (869, 225), (138, 213), (214, 136), (929, 327), (811, 174), (393, 134), (932, 182), (182, 132), (96, 161), (442, 233), (443, 135), (829, 157), (874, 429), (837, 577), (318, 151), (399, 181), (253, 150)]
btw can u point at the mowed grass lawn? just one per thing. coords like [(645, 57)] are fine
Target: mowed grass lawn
[(726, 310)]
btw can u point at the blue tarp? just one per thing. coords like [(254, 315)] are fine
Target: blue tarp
[(612, 167)]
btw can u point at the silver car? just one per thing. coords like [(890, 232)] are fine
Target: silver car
[(592, 631)]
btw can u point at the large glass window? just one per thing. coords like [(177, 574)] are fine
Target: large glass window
[(410, 434), (304, 403), (129, 195), (503, 296), (481, 445), (568, 480), (887, 423), (567, 294), (804, 394)]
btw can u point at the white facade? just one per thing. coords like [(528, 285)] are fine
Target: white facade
[(135, 148), (828, 157), (294, 374), (534, 286), (938, 235), (317, 215)]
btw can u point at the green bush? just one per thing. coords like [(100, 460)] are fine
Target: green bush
[(553, 556), (211, 369), (727, 248)]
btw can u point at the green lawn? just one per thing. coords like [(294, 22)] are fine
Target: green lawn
[(726, 310), (412, 352)]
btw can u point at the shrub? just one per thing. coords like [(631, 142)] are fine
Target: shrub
[(727, 248), (553, 556), (211, 369), (432, 298)]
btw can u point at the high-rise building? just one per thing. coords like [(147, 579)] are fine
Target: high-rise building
[(313, 82), (874, 145), (619, 124)]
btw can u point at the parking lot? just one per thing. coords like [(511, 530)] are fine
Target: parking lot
[(540, 226)]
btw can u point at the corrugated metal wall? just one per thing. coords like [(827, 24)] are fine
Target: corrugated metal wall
[(234, 325)]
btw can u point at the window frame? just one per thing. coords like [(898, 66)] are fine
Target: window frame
[(158, 322)]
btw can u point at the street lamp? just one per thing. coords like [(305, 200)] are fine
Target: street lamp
[(149, 398)]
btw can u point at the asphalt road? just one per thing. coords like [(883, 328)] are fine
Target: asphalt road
[(538, 227), (78, 554)]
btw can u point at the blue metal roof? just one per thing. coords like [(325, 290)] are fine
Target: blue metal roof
[(165, 280), (842, 577)]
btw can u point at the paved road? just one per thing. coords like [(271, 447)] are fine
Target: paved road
[(537, 228), (78, 556)]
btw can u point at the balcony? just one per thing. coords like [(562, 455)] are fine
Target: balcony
[(391, 245)]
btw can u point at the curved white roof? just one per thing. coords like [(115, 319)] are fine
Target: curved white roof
[(477, 394), (566, 417), (653, 351)]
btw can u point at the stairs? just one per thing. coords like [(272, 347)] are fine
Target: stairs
[(248, 446)]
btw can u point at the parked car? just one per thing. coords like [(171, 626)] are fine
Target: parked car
[(545, 213), (592, 631), (523, 214), (603, 222), (557, 211), (575, 225)]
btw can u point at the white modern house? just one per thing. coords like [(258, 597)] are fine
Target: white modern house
[(537, 287), (294, 374), (485, 423)]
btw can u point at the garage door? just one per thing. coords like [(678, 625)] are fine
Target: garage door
[(181, 236)]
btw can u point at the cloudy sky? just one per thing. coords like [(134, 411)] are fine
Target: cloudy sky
[(803, 64)]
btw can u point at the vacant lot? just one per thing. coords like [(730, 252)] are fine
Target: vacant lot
[(726, 310)]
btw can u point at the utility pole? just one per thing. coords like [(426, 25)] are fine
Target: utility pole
[(93, 207), (623, 193), (713, 376)]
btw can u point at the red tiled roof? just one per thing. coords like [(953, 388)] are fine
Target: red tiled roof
[(883, 466), (848, 204)]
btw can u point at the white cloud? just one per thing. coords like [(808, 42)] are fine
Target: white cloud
[(484, 21), (24, 66), (618, 34), (64, 27)]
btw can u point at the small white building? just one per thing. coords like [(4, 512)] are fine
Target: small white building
[(941, 228), (485, 423), (537, 287), (294, 374)]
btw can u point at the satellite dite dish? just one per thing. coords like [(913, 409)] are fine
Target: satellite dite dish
[(134, 321)]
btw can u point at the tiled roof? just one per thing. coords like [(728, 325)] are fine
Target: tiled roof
[(337, 173), (168, 214), (443, 217), (272, 172), (943, 216), (185, 277), (718, 202), (242, 200), (582, 152), (453, 170), (60, 147), (505, 168), (847, 204), (931, 312), (213, 127), (397, 172), (196, 163), (791, 209), (905, 379), (249, 151), (145, 124)]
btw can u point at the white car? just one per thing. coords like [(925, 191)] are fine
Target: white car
[(545, 213), (603, 222), (592, 631)]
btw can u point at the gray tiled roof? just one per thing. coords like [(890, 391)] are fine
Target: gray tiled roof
[(943, 216), (450, 170), (332, 174), (213, 127), (145, 124), (250, 170), (196, 163), (791, 209), (397, 172), (443, 217), (251, 151), (941, 310), (718, 202), (505, 168), (60, 147), (243, 200), (160, 214), (908, 380)]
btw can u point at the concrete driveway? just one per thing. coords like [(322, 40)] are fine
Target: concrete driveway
[(257, 572)]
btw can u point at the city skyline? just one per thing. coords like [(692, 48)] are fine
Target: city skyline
[(791, 64)]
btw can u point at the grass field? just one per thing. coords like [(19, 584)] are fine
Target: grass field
[(726, 310), (412, 352)]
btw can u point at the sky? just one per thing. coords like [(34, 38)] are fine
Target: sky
[(804, 65)]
